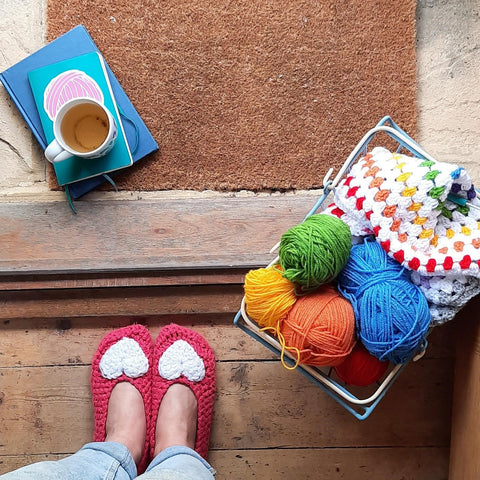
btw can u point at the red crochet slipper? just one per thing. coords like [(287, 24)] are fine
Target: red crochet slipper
[(123, 355), (181, 355)]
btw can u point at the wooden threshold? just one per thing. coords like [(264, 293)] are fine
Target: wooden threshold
[(128, 257)]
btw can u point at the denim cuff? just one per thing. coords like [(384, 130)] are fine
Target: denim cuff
[(170, 452), (118, 452)]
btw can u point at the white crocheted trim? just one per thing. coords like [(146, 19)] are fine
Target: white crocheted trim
[(454, 292), (124, 357), (181, 359), (441, 314), (446, 296)]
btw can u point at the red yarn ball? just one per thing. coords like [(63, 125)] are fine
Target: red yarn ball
[(361, 368)]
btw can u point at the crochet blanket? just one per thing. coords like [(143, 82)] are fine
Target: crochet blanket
[(425, 215)]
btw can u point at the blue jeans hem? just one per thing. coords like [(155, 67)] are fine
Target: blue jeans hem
[(170, 452), (117, 451)]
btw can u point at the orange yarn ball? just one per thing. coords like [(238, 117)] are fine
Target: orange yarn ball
[(321, 325), (268, 296)]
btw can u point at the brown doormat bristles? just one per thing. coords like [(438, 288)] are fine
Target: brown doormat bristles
[(256, 94)]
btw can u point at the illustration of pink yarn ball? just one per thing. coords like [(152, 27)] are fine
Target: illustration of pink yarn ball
[(66, 86)]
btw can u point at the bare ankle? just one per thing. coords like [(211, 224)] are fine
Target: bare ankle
[(177, 418), (126, 422)]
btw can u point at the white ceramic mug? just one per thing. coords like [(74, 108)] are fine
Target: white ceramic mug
[(83, 127)]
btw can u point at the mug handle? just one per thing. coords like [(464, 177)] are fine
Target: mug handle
[(55, 153)]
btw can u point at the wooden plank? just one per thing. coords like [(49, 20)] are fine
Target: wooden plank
[(123, 301), (67, 341), (145, 235), (259, 405), (427, 463), (74, 341), (441, 341), (465, 443), (330, 464), (262, 404), (127, 279), (8, 463)]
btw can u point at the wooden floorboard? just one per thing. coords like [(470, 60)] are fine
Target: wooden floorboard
[(259, 405), (410, 463), (268, 422)]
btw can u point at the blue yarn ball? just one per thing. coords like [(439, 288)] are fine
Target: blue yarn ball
[(391, 313)]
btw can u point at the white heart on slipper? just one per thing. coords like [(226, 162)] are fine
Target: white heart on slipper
[(181, 359), (126, 356)]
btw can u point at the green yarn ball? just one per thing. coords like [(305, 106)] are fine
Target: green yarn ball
[(315, 251)]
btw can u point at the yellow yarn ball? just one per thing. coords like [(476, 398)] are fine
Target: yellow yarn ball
[(268, 296)]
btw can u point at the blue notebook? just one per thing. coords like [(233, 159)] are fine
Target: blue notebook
[(74, 43), (83, 76)]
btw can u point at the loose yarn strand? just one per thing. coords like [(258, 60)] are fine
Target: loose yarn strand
[(281, 340)]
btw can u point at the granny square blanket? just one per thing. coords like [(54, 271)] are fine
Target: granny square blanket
[(425, 214)]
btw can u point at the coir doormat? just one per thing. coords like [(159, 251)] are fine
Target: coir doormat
[(256, 94)]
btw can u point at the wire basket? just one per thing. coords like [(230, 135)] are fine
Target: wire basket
[(359, 401)]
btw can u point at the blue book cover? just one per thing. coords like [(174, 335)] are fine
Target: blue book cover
[(82, 76), (74, 43)]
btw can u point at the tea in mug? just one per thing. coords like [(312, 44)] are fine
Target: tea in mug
[(85, 127)]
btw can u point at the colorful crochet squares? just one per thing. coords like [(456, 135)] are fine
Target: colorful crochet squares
[(405, 202)]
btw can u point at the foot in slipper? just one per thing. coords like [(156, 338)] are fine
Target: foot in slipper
[(122, 413), (183, 390)]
